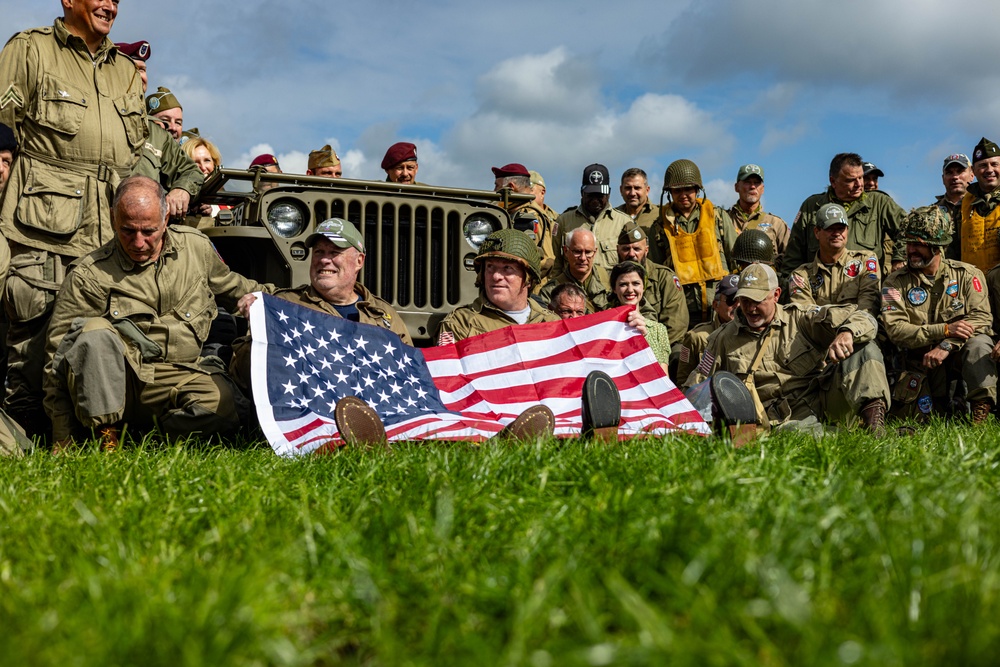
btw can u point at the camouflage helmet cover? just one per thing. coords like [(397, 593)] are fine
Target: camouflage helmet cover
[(928, 225), (753, 245), (511, 244), (682, 174)]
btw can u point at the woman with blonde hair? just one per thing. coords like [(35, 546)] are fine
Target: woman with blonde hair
[(204, 153)]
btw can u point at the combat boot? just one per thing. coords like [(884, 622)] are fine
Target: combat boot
[(981, 411), (873, 417)]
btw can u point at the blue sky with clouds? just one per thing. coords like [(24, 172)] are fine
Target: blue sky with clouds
[(558, 85)]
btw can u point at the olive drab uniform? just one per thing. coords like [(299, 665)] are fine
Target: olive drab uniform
[(772, 225), (164, 161), (606, 227), (855, 277), (543, 235), (693, 346), (697, 249), (125, 340), (980, 222), (81, 125), (663, 301), (954, 211), (915, 312), (481, 316), (785, 365), (647, 215), (874, 220), (371, 310), (595, 287)]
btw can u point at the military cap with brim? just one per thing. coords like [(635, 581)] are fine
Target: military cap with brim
[(957, 158), (135, 50), (512, 169), (728, 285), (631, 233), (399, 152), (340, 233), (748, 170), (985, 149), (324, 157), (831, 214), (757, 282), (7, 140), (161, 100), (596, 180), (870, 168)]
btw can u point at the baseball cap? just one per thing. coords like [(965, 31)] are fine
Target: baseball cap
[(161, 100), (399, 152), (631, 233), (135, 50), (757, 282), (339, 232), (957, 158), (728, 285), (536, 178), (870, 168), (985, 149), (831, 214), (512, 169), (749, 170), (324, 157), (596, 179)]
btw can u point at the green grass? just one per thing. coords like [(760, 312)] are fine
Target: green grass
[(844, 550)]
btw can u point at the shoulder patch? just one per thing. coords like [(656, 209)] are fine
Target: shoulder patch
[(976, 284)]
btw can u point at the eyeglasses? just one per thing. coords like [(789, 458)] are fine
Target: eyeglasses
[(582, 253)]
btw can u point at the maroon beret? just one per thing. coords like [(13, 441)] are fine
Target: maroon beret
[(264, 160), (512, 169), (399, 152), (135, 50)]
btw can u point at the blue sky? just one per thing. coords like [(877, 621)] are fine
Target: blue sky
[(558, 85)]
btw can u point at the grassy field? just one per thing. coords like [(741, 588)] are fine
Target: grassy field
[(838, 551)]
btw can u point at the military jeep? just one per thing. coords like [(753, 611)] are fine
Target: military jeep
[(420, 239)]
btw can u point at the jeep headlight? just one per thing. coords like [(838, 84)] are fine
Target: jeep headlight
[(477, 227), (287, 218)]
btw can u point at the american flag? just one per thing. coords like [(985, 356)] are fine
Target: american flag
[(304, 361)]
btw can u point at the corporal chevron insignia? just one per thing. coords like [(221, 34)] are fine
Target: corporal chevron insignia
[(11, 96)]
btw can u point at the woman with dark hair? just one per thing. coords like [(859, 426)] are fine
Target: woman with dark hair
[(628, 282)]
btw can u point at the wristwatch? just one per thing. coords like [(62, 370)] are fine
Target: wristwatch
[(946, 346)]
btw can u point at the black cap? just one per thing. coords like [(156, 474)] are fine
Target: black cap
[(596, 179), (870, 168), (985, 149), (7, 140)]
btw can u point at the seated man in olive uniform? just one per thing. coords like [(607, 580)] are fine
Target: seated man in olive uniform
[(801, 365), (937, 311), (507, 269), (338, 256), (836, 275), (580, 269), (125, 339)]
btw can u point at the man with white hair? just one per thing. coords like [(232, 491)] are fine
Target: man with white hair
[(580, 268)]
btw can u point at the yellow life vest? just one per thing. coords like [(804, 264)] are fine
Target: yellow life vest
[(980, 244), (696, 254)]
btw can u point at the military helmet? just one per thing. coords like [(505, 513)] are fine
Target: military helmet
[(753, 245), (928, 225), (682, 174), (514, 245)]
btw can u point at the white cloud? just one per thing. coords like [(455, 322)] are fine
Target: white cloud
[(776, 137)]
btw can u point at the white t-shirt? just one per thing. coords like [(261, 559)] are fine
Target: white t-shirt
[(519, 316)]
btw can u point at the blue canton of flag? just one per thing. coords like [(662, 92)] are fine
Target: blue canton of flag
[(311, 360)]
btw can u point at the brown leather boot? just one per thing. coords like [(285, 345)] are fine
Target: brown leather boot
[(535, 423), (358, 423), (981, 411), (873, 416)]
